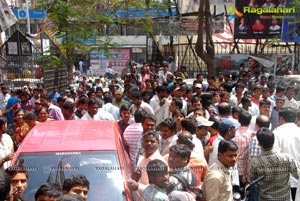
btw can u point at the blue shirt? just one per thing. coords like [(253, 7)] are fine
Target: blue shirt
[(11, 101), (54, 96)]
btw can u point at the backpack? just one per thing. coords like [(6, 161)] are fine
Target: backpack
[(190, 188)]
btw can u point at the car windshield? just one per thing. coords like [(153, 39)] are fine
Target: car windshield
[(102, 169)]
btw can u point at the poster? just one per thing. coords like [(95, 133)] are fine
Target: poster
[(188, 6), (284, 64), (291, 25), (25, 48), (189, 24), (277, 65), (118, 59), (12, 48), (259, 18), (7, 18)]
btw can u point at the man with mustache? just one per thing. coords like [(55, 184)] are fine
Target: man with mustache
[(150, 144), (217, 184)]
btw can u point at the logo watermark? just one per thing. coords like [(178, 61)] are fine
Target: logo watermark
[(278, 12), (261, 11), (233, 13)]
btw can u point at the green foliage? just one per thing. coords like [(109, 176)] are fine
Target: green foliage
[(51, 61), (73, 21)]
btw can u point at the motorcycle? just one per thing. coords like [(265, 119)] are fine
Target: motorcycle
[(247, 193)]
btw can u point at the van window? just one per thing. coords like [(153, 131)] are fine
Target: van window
[(102, 169)]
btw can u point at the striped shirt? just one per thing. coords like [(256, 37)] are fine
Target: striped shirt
[(132, 135), (276, 167)]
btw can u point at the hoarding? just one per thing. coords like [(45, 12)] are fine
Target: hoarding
[(276, 64), (259, 18), (7, 18), (291, 24), (118, 59)]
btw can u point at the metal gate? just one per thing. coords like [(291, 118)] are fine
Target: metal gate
[(186, 53)]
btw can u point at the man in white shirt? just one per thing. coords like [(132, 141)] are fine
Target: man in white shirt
[(287, 139), (164, 73), (150, 144), (178, 94), (96, 113), (6, 145), (35, 97), (290, 101), (81, 66), (160, 104), (264, 109), (168, 129), (138, 103), (109, 107), (91, 111), (202, 131), (274, 26), (4, 96)]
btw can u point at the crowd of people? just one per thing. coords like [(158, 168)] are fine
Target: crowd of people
[(184, 142), (14, 181)]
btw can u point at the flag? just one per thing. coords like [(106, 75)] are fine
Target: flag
[(60, 175), (7, 18), (49, 180)]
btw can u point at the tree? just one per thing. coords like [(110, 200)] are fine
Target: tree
[(207, 54), (74, 21)]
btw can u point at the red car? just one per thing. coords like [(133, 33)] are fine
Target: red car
[(55, 150)]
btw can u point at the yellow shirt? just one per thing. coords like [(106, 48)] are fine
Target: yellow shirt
[(217, 184)]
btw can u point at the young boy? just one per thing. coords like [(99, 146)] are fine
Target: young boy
[(158, 176), (77, 184), (19, 179), (47, 192)]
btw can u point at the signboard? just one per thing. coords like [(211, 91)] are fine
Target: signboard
[(7, 18), (190, 24), (118, 59), (259, 18), (137, 50), (18, 45), (22, 14), (275, 64), (192, 6), (284, 64), (33, 14)]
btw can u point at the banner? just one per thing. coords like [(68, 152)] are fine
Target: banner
[(7, 18), (259, 18), (284, 64), (118, 59), (277, 65), (188, 6), (291, 24), (189, 24)]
